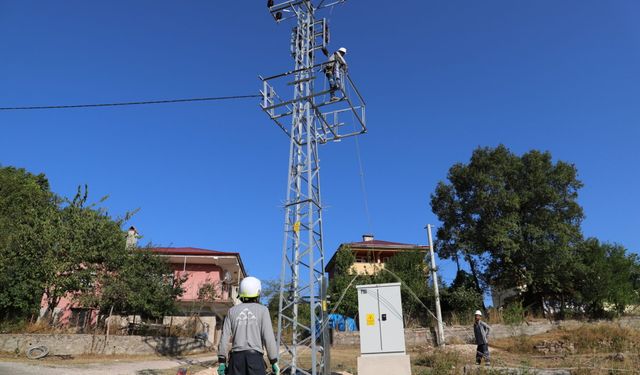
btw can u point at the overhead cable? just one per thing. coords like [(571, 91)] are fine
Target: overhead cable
[(168, 101)]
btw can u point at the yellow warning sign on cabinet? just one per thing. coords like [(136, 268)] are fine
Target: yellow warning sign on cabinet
[(371, 319)]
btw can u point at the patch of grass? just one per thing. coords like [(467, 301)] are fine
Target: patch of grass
[(455, 340), (523, 344), (494, 316), (603, 337), (587, 339), (40, 327), (517, 344), (439, 362), (191, 369), (460, 319), (23, 326), (12, 326)]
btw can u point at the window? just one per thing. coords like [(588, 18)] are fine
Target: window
[(80, 317)]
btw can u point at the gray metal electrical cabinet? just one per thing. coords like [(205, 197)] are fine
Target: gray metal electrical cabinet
[(381, 321)]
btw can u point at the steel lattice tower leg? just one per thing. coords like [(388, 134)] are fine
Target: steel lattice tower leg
[(302, 317), (302, 250)]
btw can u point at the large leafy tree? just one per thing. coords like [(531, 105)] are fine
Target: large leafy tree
[(606, 275), (76, 243), (25, 199), (410, 269), (143, 284), (514, 219), (340, 283), (53, 247), (461, 298)]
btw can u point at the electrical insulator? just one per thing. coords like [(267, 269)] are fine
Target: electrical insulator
[(326, 32), (294, 34)]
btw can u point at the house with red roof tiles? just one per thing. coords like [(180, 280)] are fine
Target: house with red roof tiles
[(212, 279), (371, 254), (216, 273)]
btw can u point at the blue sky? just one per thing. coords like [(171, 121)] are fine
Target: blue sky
[(440, 79)]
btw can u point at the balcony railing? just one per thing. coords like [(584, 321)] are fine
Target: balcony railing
[(333, 120)]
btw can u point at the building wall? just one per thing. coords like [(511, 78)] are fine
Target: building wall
[(69, 313), (464, 334), (197, 276), (366, 268), (458, 334), (205, 324), (370, 261), (99, 344)]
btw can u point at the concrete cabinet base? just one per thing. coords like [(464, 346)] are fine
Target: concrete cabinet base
[(384, 364)]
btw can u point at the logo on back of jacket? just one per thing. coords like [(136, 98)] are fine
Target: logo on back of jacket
[(246, 317)]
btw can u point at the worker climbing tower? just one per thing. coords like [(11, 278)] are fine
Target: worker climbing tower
[(316, 118)]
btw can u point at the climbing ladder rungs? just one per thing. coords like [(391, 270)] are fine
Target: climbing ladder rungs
[(301, 80)]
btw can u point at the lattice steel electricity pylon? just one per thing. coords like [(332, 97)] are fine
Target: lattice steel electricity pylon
[(314, 121)]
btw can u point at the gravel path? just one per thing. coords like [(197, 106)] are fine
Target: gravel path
[(110, 368)]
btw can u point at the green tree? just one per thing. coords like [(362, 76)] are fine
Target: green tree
[(54, 247), (76, 243), (514, 220), (342, 277), (270, 297), (461, 298), (606, 276), (25, 199), (143, 284), (409, 268)]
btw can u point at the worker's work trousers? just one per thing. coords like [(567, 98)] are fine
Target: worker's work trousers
[(246, 362), (482, 352), (334, 76)]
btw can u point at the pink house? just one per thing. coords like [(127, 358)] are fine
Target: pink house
[(211, 286), (210, 289)]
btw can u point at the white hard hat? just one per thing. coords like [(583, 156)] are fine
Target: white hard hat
[(250, 287), (478, 312), (343, 50)]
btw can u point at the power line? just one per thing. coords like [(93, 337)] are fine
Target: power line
[(363, 186), (168, 101)]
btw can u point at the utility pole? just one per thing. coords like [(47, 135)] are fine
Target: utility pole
[(315, 120), (436, 292)]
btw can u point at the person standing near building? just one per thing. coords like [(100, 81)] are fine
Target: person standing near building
[(481, 332), (335, 68), (248, 326)]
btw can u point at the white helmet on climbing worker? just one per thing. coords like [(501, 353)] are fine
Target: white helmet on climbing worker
[(250, 287), (478, 312), (342, 50)]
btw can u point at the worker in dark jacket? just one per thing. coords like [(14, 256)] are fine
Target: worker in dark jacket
[(481, 332), (248, 325)]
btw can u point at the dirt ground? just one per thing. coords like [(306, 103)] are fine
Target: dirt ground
[(98, 365), (593, 349), (344, 361)]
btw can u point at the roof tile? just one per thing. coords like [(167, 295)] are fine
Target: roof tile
[(188, 251)]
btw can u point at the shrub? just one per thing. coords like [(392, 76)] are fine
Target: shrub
[(13, 326), (513, 313)]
